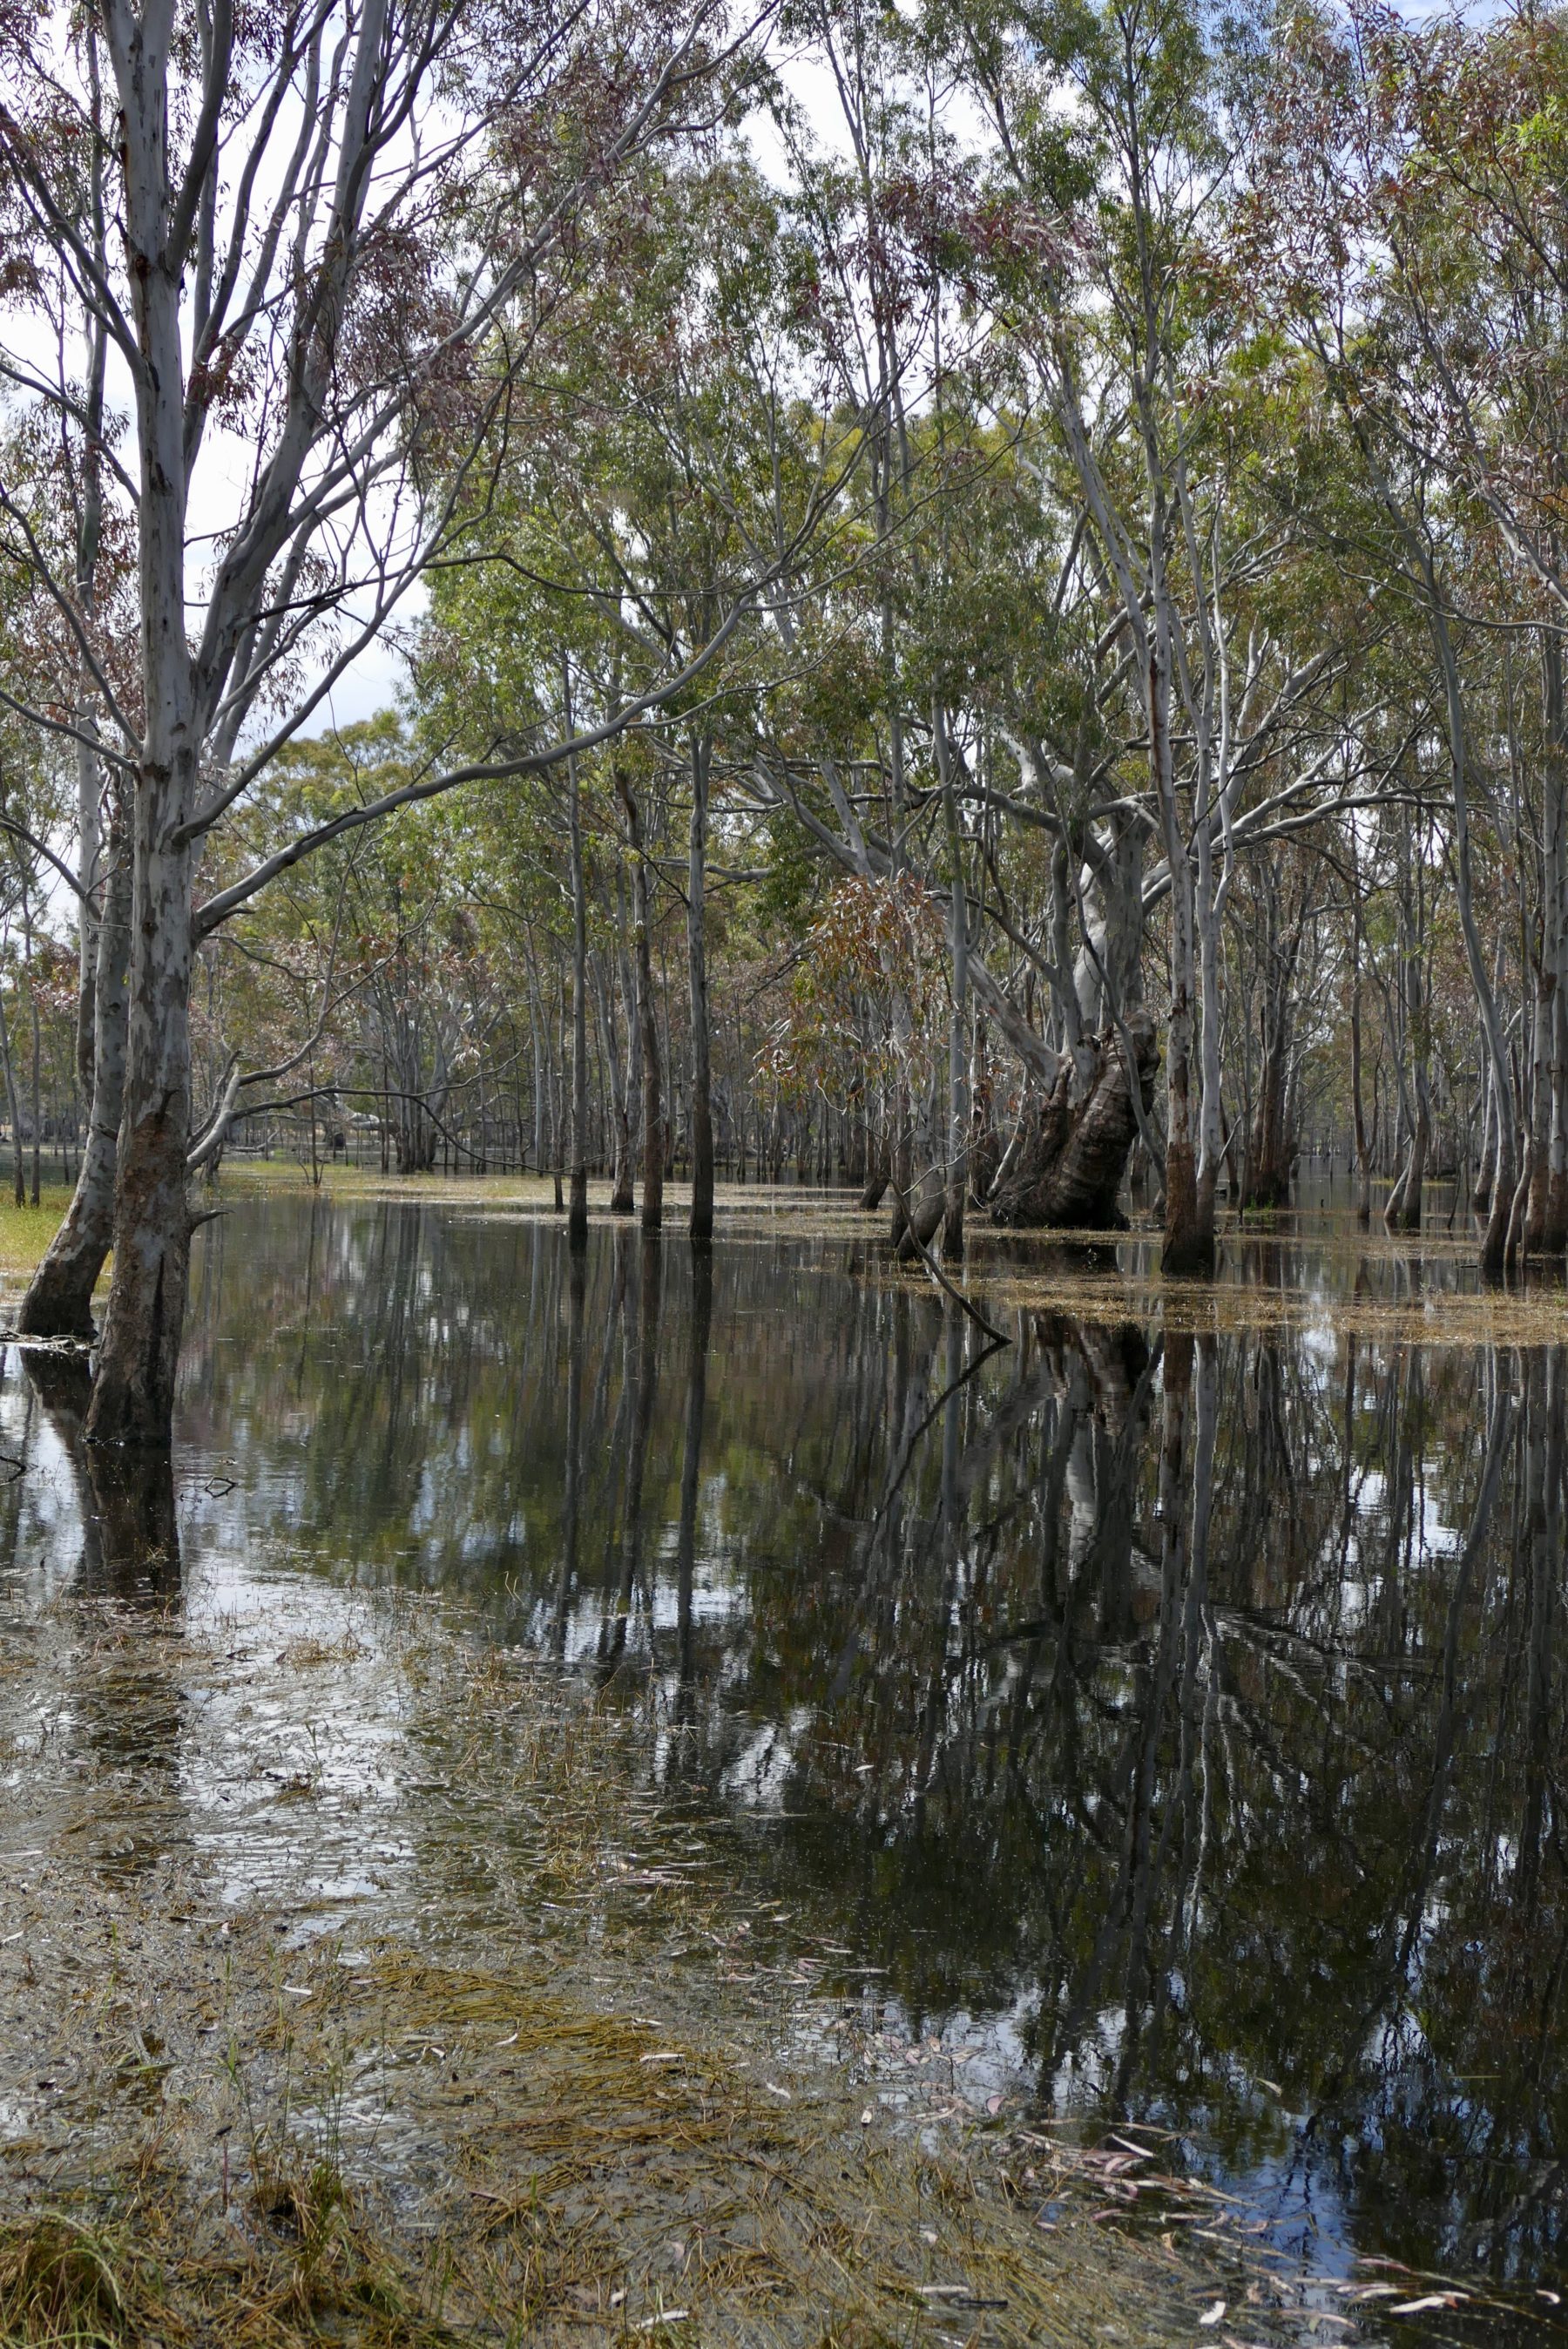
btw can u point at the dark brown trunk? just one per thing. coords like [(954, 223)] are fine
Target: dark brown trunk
[(1066, 1169), (1188, 1248), (133, 1395)]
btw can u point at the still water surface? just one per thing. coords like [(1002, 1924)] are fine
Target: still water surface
[(1177, 1721)]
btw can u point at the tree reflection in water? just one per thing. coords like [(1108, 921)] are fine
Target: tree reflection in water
[(1185, 1704)]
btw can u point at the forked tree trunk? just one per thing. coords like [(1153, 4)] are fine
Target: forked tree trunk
[(1065, 1168), (58, 1302), (1500, 1215), (1403, 1212)]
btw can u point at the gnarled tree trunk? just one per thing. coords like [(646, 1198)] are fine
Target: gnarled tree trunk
[(1066, 1167)]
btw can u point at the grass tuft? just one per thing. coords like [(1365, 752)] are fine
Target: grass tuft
[(61, 2285)]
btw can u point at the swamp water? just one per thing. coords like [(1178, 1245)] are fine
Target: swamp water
[(1155, 1723)]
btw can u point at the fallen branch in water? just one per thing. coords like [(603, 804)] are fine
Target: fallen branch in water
[(997, 1337)]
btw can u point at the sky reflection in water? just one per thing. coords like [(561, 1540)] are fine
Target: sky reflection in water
[(1179, 1719)]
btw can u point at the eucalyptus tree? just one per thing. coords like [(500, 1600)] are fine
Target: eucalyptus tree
[(339, 230), (685, 459), (59, 525), (1406, 218), (1105, 273)]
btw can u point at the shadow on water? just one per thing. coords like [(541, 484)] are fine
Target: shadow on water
[(1174, 1716)]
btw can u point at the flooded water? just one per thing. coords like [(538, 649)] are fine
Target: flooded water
[(1167, 1706)]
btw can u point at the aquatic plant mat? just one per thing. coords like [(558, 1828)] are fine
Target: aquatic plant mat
[(357, 1986)]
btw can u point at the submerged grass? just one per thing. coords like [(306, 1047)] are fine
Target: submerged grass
[(61, 2281), (360, 1988)]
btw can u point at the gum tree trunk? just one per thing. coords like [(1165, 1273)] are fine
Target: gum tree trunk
[(647, 1019), (1064, 1170), (1362, 1154), (1189, 1233), (621, 1199), (628, 985), (58, 1302), (958, 1112), (701, 1225), (133, 1390), (577, 1218), (1546, 1222), (133, 1393)]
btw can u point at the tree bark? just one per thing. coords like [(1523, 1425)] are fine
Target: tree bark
[(1362, 1154), (58, 1302), (577, 1219), (622, 1201), (1550, 1231), (1537, 1176), (701, 1225), (38, 1055), (647, 1019), (133, 1393), (958, 1117), (13, 1103), (1066, 1167), (1189, 1219)]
